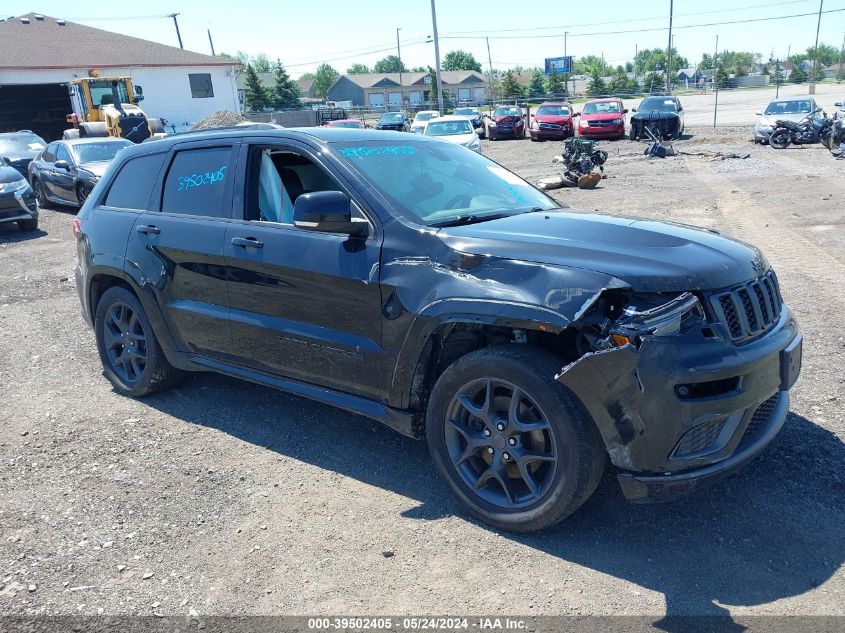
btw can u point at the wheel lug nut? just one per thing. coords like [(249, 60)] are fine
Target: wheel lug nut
[(500, 426), (486, 432), (490, 450), (512, 441), (506, 456)]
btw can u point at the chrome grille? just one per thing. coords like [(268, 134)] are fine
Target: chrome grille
[(750, 309)]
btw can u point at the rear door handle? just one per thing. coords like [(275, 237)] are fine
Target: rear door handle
[(247, 241), (148, 229)]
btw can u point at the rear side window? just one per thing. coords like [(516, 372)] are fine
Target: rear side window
[(131, 187), (196, 181)]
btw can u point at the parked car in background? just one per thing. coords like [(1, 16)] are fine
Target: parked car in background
[(422, 117), (425, 286), (840, 110), (454, 129), (17, 202), (18, 148), (475, 118), (602, 118), (552, 121), (356, 124), (664, 116), (65, 172), (396, 121), (506, 122), (792, 109)]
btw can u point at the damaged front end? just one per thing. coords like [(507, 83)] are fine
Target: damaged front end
[(676, 399)]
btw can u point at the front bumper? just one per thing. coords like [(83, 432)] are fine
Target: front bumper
[(663, 443), (18, 205), (762, 133), (550, 134), (608, 131)]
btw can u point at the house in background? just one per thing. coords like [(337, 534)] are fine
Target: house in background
[(39, 55), (379, 90), (833, 71), (690, 76)]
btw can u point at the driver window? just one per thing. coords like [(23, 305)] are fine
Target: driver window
[(277, 178), (63, 154)]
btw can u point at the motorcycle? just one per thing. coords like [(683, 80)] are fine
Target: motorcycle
[(833, 137), (807, 130)]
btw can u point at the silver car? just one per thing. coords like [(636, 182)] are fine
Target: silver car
[(793, 109)]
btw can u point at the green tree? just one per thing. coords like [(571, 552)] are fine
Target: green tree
[(285, 93), (324, 78), (358, 69), (653, 82), (777, 74), (255, 95), (619, 81), (596, 86), (555, 85), (585, 65), (827, 55), (390, 64), (536, 87), (460, 60), (721, 77), (261, 63), (510, 87), (419, 69), (632, 87), (798, 75), (652, 59), (311, 76)]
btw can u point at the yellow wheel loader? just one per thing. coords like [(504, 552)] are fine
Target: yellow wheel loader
[(108, 106)]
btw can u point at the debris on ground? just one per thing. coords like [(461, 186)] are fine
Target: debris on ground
[(221, 118), (716, 155), (583, 165)]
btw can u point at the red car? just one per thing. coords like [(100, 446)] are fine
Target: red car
[(506, 122), (553, 120), (353, 123), (602, 118)]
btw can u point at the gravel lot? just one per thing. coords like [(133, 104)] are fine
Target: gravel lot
[(223, 497)]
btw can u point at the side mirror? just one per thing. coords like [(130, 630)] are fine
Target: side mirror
[(625, 111), (633, 109), (758, 113), (840, 104), (139, 90), (62, 164), (328, 211), (576, 114), (139, 97), (818, 110)]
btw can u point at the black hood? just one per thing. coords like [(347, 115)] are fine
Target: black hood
[(649, 256), (654, 115), (8, 174)]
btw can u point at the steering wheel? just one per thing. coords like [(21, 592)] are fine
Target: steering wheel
[(455, 202)]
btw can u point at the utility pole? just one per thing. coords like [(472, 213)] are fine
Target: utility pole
[(566, 75), (840, 73), (490, 62), (176, 23), (211, 43), (437, 58), (715, 57), (816, 52), (399, 55), (669, 51)]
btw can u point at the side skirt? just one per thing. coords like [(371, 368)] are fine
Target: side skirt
[(398, 420)]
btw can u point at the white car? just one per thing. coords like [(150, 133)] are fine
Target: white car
[(422, 117), (454, 129), (789, 109)]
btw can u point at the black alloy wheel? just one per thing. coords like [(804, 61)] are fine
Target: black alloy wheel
[(501, 443), (125, 342), (82, 193), (40, 195)]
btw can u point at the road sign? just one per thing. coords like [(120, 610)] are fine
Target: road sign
[(560, 64)]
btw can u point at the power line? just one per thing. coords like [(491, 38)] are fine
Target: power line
[(605, 22), (650, 30)]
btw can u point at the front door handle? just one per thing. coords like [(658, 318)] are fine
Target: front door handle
[(148, 229), (247, 241)]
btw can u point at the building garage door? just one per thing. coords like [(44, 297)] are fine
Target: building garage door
[(42, 108), (376, 99)]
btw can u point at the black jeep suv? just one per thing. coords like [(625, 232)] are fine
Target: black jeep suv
[(423, 285)]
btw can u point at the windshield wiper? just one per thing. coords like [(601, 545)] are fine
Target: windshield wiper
[(462, 220)]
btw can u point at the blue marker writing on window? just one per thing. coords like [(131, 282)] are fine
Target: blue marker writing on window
[(199, 180)]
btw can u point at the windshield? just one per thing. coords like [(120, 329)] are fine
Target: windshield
[(448, 128), (391, 116), (658, 104), (96, 152), (425, 116), (355, 124), (552, 110), (435, 182), (602, 107), (101, 93), (510, 111), (21, 143), (789, 107), (467, 111)]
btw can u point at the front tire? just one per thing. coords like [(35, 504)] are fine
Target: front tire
[(40, 194), (28, 225), (632, 134), (518, 448), (132, 358), (81, 194), (780, 138)]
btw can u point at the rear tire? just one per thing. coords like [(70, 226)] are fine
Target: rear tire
[(522, 453), (780, 138), (81, 194), (632, 135), (28, 225), (132, 358)]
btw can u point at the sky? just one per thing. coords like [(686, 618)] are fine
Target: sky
[(342, 32)]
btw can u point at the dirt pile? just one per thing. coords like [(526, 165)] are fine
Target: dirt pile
[(221, 118)]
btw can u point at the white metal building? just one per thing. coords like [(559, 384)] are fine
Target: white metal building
[(39, 55)]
